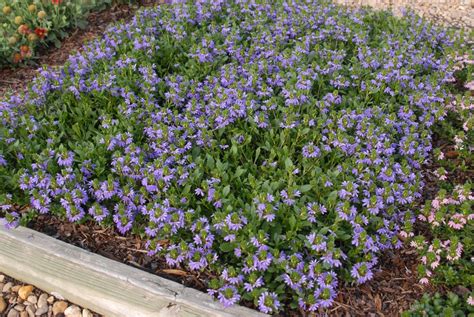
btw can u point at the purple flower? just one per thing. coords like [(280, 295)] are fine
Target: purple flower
[(311, 151), (268, 302), (228, 295), (65, 159), (361, 272)]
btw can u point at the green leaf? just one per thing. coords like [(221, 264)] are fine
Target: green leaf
[(239, 172), (288, 164), (305, 188), (227, 247), (226, 190)]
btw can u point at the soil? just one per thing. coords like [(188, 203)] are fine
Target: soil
[(392, 290)]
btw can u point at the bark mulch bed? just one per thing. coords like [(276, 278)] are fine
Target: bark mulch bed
[(393, 289)]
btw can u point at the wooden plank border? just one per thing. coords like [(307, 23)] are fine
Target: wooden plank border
[(103, 285)]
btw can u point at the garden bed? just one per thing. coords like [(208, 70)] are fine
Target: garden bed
[(233, 167), (394, 287)]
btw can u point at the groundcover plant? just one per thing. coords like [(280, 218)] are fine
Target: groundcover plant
[(273, 146)]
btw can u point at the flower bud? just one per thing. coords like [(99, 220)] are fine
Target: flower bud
[(32, 37), (41, 14), (12, 40), (7, 10), (18, 20)]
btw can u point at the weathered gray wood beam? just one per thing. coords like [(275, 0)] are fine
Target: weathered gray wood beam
[(103, 285)]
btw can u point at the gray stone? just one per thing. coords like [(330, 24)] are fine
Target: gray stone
[(7, 287), (41, 310), (20, 307), (50, 300), (73, 311), (31, 309), (32, 299), (42, 301), (86, 313), (13, 313)]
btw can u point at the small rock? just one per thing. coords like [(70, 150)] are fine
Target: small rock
[(16, 288), (1, 286), (86, 313), (7, 287), (31, 310), (2, 278), (73, 311), (41, 310), (3, 305), (32, 299), (25, 291), (20, 307), (50, 300), (23, 314), (13, 313), (59, 307), (42, 300)]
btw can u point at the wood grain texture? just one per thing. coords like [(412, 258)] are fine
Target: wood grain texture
[(103, 285)]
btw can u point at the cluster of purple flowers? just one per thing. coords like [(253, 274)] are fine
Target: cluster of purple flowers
[(275, 145)]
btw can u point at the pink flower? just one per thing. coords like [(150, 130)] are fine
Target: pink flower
[(470, 300), (435, 264), (424, 281), (457, 221), (470, 85)]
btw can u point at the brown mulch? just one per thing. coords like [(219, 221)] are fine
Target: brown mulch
[(17, 78), (129, 249), (393, 289)]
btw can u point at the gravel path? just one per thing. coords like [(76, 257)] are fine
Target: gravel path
[(455, 13), (22, 300)]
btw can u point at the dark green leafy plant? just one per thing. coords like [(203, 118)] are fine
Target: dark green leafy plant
[(450, 305)]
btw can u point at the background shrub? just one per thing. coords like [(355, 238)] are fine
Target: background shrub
[(25, 25)]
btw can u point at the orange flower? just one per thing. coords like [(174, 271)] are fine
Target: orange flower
[(56, 2), (24, 49), (41, 32), (23, 29), (17, 58)]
